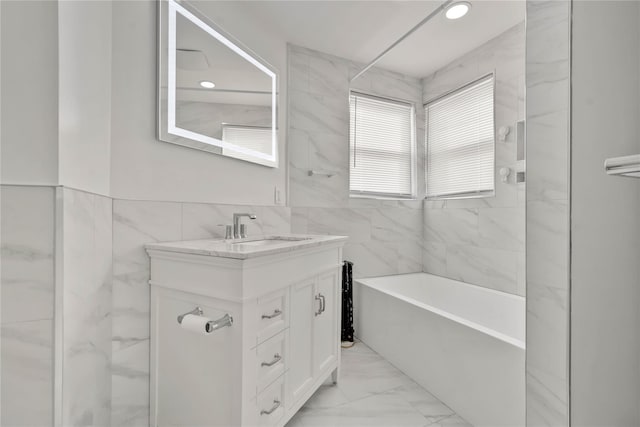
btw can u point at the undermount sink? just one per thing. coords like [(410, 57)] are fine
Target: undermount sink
[(270, 241)]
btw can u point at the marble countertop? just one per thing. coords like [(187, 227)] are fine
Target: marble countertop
[(236, 249)]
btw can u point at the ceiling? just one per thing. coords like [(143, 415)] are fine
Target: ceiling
[(360, 30)]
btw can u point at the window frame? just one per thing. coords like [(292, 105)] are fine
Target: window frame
[(466, 195), (356, 194)]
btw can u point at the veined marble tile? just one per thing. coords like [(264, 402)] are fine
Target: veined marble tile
[(491, 268), (136, 223), (373, 258), (27, 241), (276, 220), (548, 243), (87, 258), (409, 256), (319, 113), (299, 220), (548, 115), (548, 156), (130, 385), (27, 373), (375, 410), (434, 258), (208, 220), (328, 75), (521, 266), (298, 69), (355, 223), (452, 421), (397, 224), (453, 226), (502, 228), (423, 401)]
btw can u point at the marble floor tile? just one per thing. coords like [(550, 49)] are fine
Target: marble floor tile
[(372, 392)]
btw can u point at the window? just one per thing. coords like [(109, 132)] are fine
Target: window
[(460, 142), (381, 146)]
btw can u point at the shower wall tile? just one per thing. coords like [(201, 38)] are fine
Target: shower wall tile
[(491, 268), (385, 236), (434, 258), (27, 373), (86, 262), (136, 223), (27, 233), (479, 240), (547, 200)]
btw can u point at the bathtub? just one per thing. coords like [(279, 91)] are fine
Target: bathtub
[(463, 343)]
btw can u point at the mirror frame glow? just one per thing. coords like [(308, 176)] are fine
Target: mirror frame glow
[(168, 130)]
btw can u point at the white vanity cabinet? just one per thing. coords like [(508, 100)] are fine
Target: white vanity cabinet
[(283, 344)]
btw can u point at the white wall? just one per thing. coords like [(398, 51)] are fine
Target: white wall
[(29, 150), (144, 168), (605, 216), (85, 95)]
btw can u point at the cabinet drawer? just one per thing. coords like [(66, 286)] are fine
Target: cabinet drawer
[(270, 360), (272, 315), (270, 404)]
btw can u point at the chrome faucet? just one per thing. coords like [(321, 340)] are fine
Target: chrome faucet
[(239, 230)]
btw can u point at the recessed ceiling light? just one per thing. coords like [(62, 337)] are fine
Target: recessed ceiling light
[(207, 84), (457, 10)]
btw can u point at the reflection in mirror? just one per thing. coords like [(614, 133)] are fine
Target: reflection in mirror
[(214, 95)]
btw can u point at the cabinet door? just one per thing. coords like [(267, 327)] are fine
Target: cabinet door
[(300, 363), (326, 342)]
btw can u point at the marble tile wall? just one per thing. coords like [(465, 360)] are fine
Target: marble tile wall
[(27, 276), (136, 223), (548, 63), (385, 235), (83, 301), (482, 241)]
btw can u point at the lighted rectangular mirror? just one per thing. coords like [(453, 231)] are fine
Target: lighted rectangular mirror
[(214, 94)]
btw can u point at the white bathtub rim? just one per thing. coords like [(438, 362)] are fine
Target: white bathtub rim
[(488, 331)]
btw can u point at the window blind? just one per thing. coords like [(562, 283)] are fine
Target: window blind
[(381, 146), (460, 142), (252, 137)]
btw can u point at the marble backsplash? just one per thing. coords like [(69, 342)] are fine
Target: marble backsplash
[(385, 236), (482, 241)]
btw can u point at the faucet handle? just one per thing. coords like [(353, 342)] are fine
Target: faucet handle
[(243, 231), (228, 231)]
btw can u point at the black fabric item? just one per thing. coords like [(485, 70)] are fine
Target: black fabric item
[(347, 301)]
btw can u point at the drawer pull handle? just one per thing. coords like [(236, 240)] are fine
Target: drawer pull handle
[(320, 298), (276, 359), (276, 313), (276, 405)]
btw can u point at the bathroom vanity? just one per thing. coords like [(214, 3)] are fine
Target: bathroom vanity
[(282, 293)]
